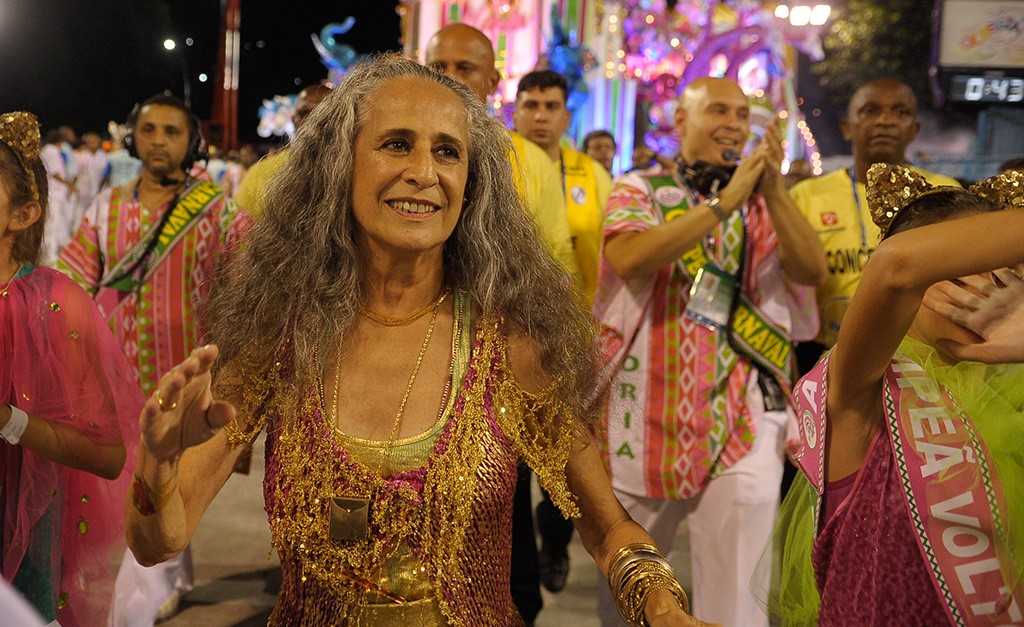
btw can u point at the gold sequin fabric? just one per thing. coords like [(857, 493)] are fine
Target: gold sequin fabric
[(20, 131), (455, 513), (890, 188), (1005, 190)]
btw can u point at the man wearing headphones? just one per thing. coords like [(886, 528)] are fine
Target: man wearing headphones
[(707, 275), (147, 251)]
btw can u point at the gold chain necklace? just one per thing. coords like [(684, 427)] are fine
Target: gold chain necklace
[(349, 513), (456, 338), (3, 290), (396, 427), (401, 322)]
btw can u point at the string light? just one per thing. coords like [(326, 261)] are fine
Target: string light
[(800, 15), (804, 15), (820, 14)]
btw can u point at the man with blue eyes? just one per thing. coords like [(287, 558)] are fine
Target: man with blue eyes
[(466, 55), (880, 122)]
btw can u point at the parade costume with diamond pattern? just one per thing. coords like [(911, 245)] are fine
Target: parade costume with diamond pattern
[(455, 513), (677, 414), (157, 324)]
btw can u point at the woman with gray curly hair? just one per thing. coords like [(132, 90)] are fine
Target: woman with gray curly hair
[(398, 329)]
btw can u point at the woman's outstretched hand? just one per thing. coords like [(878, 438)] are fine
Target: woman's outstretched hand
[(181, 412)]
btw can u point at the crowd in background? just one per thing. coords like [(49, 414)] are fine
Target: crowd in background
[(716, 281)]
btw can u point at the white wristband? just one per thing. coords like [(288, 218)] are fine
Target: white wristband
[(15, 427)]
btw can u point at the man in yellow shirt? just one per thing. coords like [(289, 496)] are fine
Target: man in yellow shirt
[(542, 117), (881, 121), (466, 55), (249, 196)]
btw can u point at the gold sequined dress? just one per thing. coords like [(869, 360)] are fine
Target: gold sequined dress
[(438, 551)]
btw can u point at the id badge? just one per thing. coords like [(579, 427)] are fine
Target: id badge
[(711, 297), (350, 518)]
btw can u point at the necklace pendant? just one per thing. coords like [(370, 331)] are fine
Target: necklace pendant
[(349, 518)]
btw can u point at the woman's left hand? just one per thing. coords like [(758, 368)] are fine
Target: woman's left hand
[(663, 611)]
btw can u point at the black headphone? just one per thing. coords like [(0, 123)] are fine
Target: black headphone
[(196, 144), (705, 178)]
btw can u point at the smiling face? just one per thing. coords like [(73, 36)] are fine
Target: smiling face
[(410, 169), (713, 117), (881, 121)]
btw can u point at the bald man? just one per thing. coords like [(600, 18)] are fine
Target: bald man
[(708, 274), (880, 122), (249, 196), (466, 55)]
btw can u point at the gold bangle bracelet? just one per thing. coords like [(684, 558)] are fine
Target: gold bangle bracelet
[(635, 572)]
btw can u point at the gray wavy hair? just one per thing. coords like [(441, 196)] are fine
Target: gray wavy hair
[(297, 278)]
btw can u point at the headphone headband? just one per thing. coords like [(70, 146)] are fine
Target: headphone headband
[(195, 150)]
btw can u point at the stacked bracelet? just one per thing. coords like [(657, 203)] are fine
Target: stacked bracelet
[(636, 571), (15, 427)]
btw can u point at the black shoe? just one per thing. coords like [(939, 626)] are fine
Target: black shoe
[(554, 569)]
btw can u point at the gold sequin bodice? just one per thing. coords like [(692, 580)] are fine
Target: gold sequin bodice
[(454, 514)]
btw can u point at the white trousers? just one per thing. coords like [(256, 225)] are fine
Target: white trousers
[(140, 591), (730, 523)]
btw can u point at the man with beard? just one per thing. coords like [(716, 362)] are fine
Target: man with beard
[(881, 121), (148, 251)]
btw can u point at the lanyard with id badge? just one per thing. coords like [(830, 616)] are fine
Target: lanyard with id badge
[(715, 285), (711, 297), (712, 301)]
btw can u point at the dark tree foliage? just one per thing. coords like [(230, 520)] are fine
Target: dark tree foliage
[(874, 38)]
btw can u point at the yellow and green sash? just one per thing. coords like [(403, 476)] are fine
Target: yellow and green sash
[(154, 247), (750, 331)]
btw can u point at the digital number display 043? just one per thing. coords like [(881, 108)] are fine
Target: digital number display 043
[(966, 88)]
